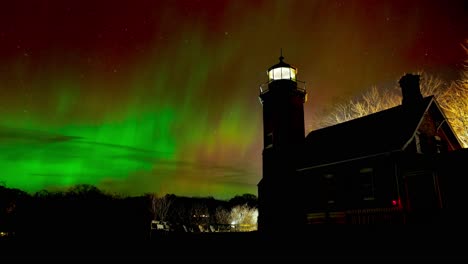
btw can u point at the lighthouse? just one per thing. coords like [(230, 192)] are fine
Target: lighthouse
[(282, 98)]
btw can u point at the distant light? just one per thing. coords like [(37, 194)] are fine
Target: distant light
[(394, 202)]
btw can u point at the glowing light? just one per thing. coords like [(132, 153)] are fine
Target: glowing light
[(282, 73)]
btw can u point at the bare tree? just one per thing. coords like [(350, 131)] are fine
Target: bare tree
[(245, 217), (371, 101), (452, 98), (454, 102), (199, 213), (375, 100), (455, 105), (159, 206), (222, 215), (181, 213)]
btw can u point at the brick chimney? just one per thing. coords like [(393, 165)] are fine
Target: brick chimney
[(410, 89)]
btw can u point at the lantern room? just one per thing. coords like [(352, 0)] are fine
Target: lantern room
[(282, 71)]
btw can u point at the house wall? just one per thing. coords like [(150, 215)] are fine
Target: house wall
[(344, 187), (434, 124), (408, 188), (434, 187), (453, 180), (420, 182)]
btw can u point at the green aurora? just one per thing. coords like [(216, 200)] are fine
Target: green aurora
[(162, 96)]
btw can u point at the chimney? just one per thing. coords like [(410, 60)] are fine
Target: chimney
[(410, 89)]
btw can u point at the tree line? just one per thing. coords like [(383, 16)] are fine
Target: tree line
[(205, 213), (86, 211)]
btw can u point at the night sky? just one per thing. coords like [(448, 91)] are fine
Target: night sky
[(162, 96)]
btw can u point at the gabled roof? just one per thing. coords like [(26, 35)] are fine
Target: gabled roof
[(381, 132)]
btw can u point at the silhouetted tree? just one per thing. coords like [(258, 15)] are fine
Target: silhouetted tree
[(160, 206), (199, 212), (85, 191), (222, 215), (12, 203), (180, 211), (375, 100), (452, 98), (247, 198)]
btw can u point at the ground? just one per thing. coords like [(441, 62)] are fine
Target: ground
[(336, 243)]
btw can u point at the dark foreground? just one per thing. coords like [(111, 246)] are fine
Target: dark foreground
[(335, 243)]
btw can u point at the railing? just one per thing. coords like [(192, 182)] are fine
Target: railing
[(375, 215), (300, 86), (359, 216)]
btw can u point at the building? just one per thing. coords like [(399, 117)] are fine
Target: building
[(400, 165)]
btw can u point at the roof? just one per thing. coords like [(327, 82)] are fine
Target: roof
[(281, 64), (381, 132)]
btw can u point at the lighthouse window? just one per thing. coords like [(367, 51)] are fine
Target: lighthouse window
[(269, 140), (282, 73)]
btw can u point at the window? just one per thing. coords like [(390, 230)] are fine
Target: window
[(366, 181), (282, 73), (269, 140), (440, 145), (330, 188), (417, 141), (422, 142)]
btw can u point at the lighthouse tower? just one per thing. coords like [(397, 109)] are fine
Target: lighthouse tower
[(282, 98)]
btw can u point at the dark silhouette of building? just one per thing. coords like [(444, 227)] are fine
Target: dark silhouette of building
[(400, 165), (283, 132)]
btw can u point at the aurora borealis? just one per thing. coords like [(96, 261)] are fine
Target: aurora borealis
[(162, 96)]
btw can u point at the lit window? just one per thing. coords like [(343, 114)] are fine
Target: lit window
[(282, 73)]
